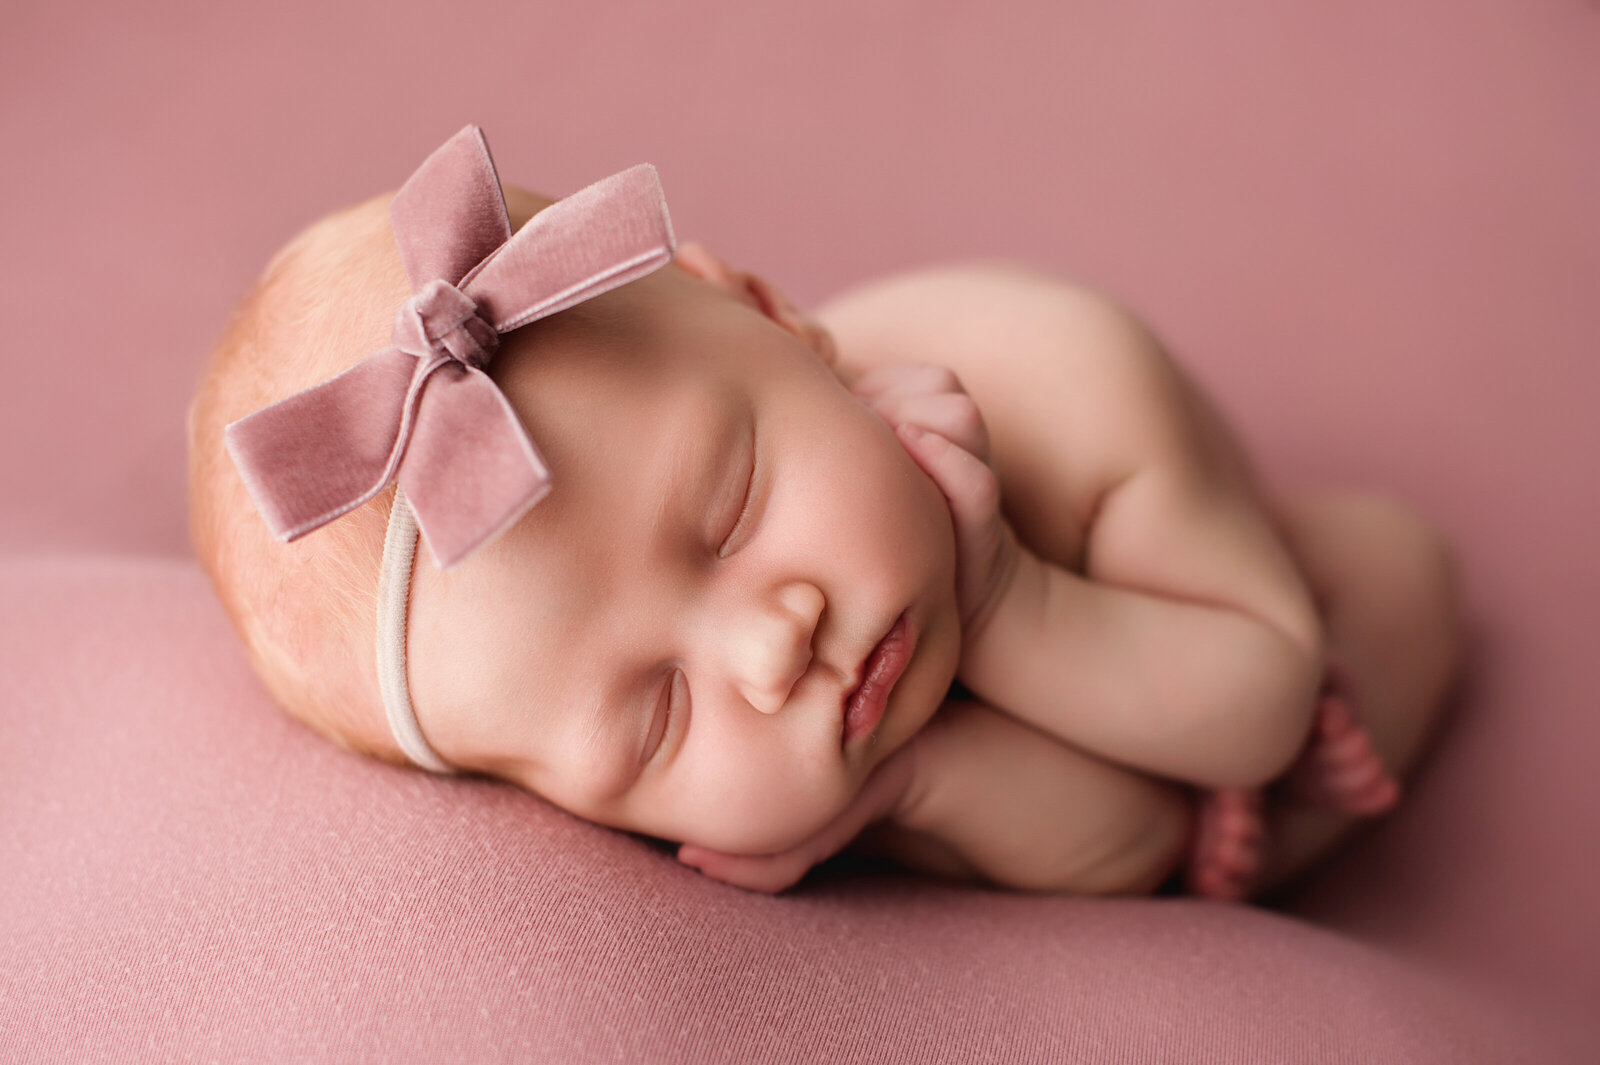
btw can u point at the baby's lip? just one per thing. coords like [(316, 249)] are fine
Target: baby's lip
[(860, 671), (860, 711)]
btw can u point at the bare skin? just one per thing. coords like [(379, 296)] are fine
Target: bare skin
[(1077, 396)]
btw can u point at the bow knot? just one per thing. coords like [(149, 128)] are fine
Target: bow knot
[(441, 320)]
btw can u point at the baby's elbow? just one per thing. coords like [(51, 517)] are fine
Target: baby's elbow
[(1276, 717), (1260, 725), (1132, 854)]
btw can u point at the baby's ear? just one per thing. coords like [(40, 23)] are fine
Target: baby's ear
[(759, 293)]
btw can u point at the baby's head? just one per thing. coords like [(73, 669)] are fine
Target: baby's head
[(665, 643)]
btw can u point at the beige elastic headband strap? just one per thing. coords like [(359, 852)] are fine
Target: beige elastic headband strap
[(394, 592)]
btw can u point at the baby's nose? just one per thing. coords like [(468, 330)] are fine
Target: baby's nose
[(774, 646)]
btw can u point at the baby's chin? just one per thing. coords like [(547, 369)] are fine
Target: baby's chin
[(747, 830)]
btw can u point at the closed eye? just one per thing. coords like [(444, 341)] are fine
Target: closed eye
[(675, 691), (737, 534)]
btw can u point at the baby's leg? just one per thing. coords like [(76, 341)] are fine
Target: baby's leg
[(1388, 595), (997, 800), (1341, 769)]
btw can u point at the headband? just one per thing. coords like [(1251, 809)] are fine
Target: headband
[(423, 412)]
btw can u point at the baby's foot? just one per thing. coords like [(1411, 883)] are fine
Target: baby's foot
[(1340, 768), (1227, 848)]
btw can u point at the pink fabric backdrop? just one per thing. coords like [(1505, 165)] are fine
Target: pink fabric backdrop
[(1371, 230)]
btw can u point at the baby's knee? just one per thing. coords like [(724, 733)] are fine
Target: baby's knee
[(1406, 610), (1423, 576), (1172, 837), (1155, 845)]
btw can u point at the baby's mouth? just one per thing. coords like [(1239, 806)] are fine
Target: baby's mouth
[(864, 706)]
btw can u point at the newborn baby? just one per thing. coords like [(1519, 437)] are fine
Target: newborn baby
[(771, 544)]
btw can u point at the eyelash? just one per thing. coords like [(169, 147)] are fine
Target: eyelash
[(744, 509), (665, 716)]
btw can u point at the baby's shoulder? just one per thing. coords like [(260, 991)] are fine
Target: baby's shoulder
[(1074, 388)]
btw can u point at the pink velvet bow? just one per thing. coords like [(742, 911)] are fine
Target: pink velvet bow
[(424, 410)]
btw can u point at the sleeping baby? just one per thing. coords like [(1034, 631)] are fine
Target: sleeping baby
[(962, 572)]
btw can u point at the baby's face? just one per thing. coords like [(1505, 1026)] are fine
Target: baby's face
[(665, 643)]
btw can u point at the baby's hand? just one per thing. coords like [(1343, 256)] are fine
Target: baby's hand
[(942, 429), (927, 396), (772, 873)]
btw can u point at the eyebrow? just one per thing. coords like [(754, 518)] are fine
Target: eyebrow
[(691, 471)]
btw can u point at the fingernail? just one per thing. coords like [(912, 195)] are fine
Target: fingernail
[(911, 432)]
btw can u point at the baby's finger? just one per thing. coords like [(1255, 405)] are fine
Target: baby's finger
[(912, 379), (986, 551), (968, 484), (768, 873), (953, 415)]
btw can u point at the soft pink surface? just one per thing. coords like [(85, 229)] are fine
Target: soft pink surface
[(190, 875), (1370, 231)]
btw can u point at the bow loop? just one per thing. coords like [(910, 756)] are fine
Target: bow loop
[(441, 320)]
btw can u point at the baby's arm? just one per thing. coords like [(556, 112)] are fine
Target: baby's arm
[(1219, 695), (977, 795), (1124, 479), (1185, 690), (995, 800)]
